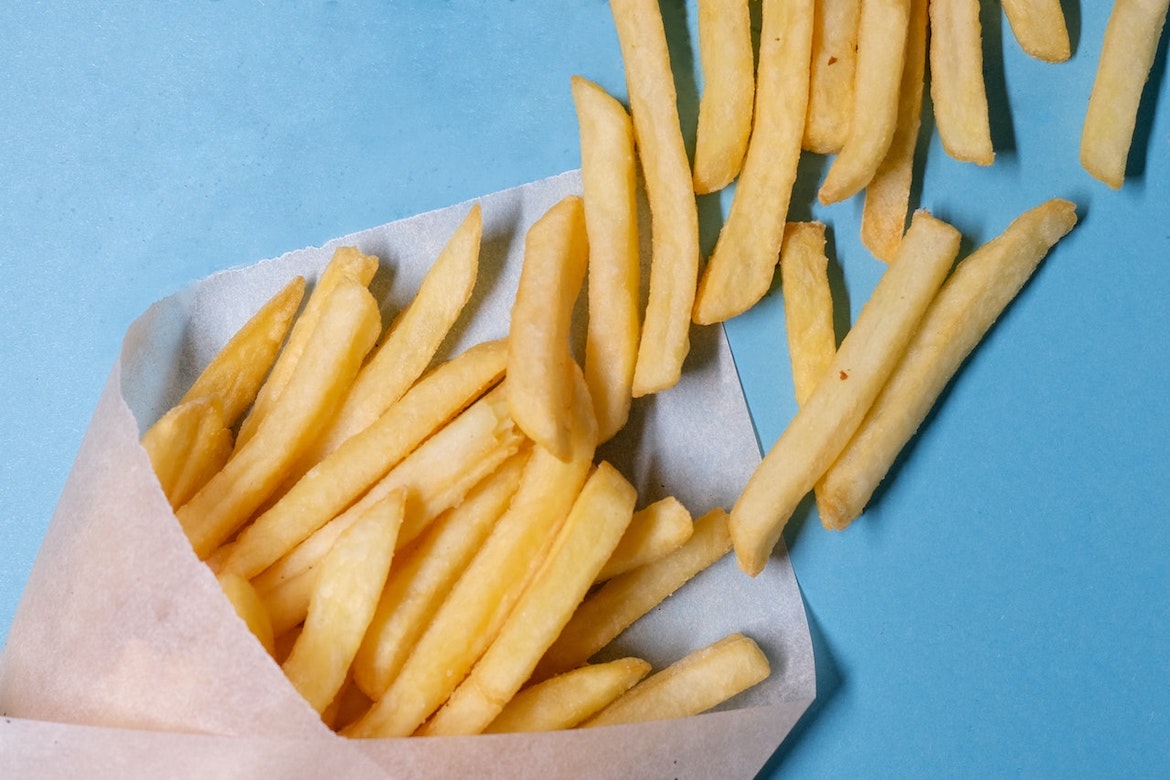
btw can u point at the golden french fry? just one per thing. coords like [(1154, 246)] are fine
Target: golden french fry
[(965, 308), (339, 479), (249, 607), (655, 531), (347, 329), (491, 585), (725, 107), (674, 215), (956, 81), (540, 378), (740, 269), (347, 264), (629, 596), (1127, 54), (187, 446), (344, 597), (589, 534), (694, 684), (563, 701), (834, 62), (808, 305), (823, 425), (881, 52), (887, 196), (1039, 27), (287, 602), (609, 182), (235, 375), (414, 337), (424, 573)]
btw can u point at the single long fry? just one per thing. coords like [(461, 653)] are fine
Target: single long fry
[(593, 528), (343, 601), (965, 308), (725, 107), (887, 196), (740, 269), (493, 582), (655, 531), (1127, 54), (415, 335), (249, 607), (609, 184), (956, 81), (693, 684), (834, 63), (881, 52), (625, 598), (187, 446), (674, 215), (564, 701), (823, 425), (235, 375), (808, 305), (347, 264), (334, 483), (424, 573), (1040, 28), (348, 327), (540, 378)]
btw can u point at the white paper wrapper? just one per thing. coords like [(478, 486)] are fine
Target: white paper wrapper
[(125, 659)]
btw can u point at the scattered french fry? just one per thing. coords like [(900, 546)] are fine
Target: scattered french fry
[(694, 684), (741, 268), (725, 107), (609, 184), (824, 424), (1127, 55), (1040, 28), (956, 81), (674, 215), (654, 532), (808, 305), (967, 305), (834, 62)]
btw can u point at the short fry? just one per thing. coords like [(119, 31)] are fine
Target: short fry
[(823, 425), (1040, 28), (725, 107), (967, 305), (834, 62), (187, 446), (654, 532), (567, 699), (808, 305), (956, 81)]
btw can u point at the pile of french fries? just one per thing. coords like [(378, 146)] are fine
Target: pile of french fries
[(436, 549)]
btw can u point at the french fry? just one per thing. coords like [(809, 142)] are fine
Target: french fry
[(694, 684), (887, 196), (808, 305), (674, 216), (967, 305), (956, 81), (414, 337), (344, 597), (593, 528), (627, 597), (1127, 54), (881, 52), (823, 425), (655, 531), (235, 375), (491, 585), (609, 183), (187, 446), (347, 472), (741, 267), (1039, 28), (540, 379), (725, 107), (249, 607), (348, 327), (347, 264), (834, 62), (287, 602), (424, 573), (564, 701)]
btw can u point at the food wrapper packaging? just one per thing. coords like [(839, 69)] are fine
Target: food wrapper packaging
[(124, 658)]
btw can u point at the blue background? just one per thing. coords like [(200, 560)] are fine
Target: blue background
[(1003, 608)]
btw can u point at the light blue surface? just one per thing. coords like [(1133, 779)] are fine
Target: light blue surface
[(1004, 606)]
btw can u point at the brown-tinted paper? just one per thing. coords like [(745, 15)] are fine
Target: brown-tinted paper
[(125, 659)]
